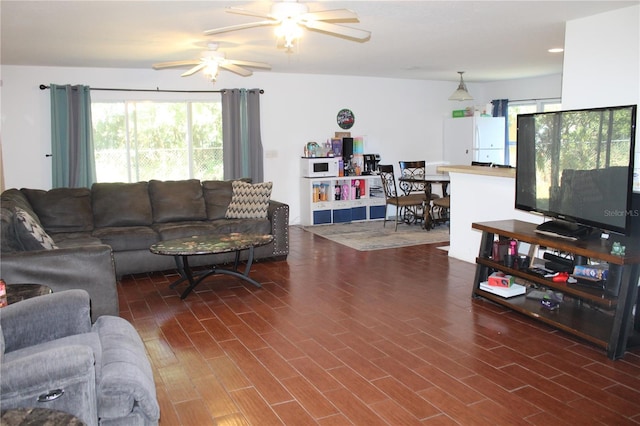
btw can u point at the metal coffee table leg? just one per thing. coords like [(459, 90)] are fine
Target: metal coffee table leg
[(186, 274)]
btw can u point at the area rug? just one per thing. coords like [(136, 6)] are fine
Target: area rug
[(371, 235)]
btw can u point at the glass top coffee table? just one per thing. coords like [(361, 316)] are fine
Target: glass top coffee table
[(183, 248), (19, 292)]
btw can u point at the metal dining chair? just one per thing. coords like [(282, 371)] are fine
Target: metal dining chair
[(411, 174), (440, 208), (403, 203)]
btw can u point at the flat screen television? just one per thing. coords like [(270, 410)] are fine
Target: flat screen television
[(576, 167)]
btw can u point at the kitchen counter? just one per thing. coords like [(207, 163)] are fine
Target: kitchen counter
[(479, 170), (479, 194)]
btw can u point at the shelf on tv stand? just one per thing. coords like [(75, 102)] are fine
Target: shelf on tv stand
[(594, 315)]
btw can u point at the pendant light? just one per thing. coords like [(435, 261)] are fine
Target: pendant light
[(461, 93)]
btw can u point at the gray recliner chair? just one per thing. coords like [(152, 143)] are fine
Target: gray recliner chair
[(51, 356)]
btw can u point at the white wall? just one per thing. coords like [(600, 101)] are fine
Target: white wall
[(548, 86), (400, 119), (602, 68), (602, 60)]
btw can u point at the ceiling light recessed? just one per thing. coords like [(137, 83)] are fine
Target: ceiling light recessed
[(556, 50)]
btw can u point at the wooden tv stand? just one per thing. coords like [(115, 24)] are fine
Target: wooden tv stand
[(604, 319)]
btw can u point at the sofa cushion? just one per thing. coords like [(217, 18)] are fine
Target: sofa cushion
[(62, 209), (249, 201), (123, 238), (30, 233), (217, 196), (177, 200), (75, 239), (121, 204)]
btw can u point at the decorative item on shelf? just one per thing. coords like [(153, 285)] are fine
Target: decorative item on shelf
[(595, 272), (499, 279), (311, 149), (511, 258), (356, 191), (346, 192), (504, 292), (328, 149), (618, 249), (336, 147), (358, 145), (461, 93), (3, 293)]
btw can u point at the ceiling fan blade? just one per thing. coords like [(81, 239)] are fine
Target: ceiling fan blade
[(240, 27), (341, 30), (240, 11), (249, 64), (236, 69), (175, 64), (332, 15), (193, 70)]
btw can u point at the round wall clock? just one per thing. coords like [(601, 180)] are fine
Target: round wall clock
[(346, 119)]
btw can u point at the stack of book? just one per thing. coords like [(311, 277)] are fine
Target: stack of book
[(514, 290)]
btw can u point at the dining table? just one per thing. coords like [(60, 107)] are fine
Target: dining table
[(425, 183)]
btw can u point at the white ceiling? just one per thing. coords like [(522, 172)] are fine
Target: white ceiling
[(490, 40)]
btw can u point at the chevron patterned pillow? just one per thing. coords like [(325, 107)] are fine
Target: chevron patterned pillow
[(31, 235), (249, 201)]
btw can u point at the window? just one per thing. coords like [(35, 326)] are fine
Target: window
[(143, 140), (525, 107)]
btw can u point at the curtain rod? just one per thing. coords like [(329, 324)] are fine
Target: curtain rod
[(43, 87), (535, 99)]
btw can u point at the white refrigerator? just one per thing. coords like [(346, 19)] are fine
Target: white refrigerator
[(470, 139)]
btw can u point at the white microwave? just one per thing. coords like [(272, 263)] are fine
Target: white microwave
[(319, 167)]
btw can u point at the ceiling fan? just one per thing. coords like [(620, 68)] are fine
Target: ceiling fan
[(210, 63), (291, 16)]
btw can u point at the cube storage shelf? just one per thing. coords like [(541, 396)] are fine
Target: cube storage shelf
[(341, 199), (603, 317)]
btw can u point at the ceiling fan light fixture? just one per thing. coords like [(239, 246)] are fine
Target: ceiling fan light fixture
[(290, 31), (461, 93), (211, 70), (287, 9)]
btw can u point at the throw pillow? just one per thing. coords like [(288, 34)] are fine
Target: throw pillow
[(30, 233), (249, 201), (217, 196)]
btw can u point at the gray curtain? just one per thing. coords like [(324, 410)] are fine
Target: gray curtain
[(501, 109), (71, 137), (241, 140)]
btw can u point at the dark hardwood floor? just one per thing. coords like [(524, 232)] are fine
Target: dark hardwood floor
[(390, 337)]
